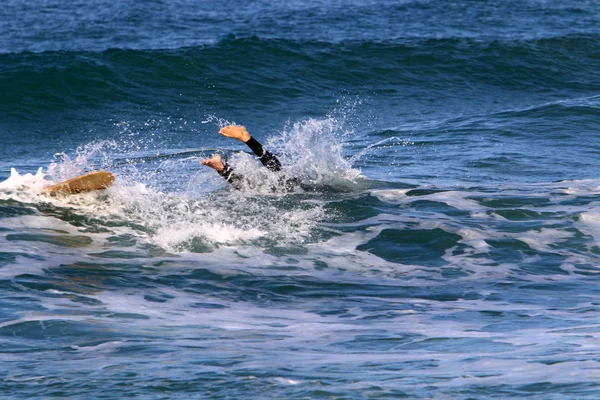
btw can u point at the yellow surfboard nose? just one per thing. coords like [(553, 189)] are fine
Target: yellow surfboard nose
[(97, 180)]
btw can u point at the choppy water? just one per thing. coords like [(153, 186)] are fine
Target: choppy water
[(446, 243)]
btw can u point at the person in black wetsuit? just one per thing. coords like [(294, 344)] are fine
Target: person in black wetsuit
[(267, 158)]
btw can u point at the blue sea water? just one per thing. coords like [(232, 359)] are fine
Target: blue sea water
[(446, 245)]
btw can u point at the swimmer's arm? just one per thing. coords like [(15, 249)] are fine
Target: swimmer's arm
[(267, 158), (223, 169), (231, 177)]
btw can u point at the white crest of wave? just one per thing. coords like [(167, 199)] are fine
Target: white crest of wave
[(24, 182)]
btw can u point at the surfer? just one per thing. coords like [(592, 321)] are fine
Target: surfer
[(267, 158)]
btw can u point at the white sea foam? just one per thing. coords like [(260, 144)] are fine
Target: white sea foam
[(589, 224), (393, 196), (314, 338), (543, 239), (17, 182), (452, 198), (173, 220), (203, 220)]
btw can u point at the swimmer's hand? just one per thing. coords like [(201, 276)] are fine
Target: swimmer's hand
[(215, 163), (235, 132)]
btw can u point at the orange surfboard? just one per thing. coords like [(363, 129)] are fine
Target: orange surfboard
[(97, 180)]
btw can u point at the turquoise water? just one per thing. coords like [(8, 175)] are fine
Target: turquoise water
[(445, 245)]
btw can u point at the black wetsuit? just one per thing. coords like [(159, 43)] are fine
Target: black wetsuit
[(267, 159)]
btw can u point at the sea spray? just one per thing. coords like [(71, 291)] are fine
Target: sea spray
[(218, 121), (171, 201), (88, 157), (17, 182), (313, 152), (385, 143)]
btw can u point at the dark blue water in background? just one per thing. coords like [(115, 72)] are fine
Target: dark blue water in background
[(448, 248)]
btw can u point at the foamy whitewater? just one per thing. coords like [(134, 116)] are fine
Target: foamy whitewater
[(285, 288), (443, 242), (201, 212)]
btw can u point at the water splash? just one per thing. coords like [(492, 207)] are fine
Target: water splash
[(89, 157), (176, 204), (219, 122), (391, 141), (28, 182), (312, 150)]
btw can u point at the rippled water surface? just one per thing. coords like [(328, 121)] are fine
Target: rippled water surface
[(444, 243)]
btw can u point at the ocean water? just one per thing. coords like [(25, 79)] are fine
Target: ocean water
[(445, 245)]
